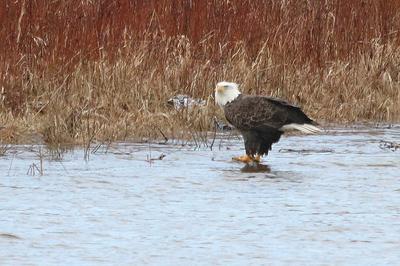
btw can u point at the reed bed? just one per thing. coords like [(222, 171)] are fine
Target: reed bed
[(86, 71)]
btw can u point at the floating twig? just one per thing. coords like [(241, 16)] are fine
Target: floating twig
[(306, 150), (159, 158)]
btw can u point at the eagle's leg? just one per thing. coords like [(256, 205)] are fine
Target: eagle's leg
[(244, 159), (257, 158)]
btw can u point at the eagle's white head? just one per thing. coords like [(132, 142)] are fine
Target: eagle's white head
[(226, 92)]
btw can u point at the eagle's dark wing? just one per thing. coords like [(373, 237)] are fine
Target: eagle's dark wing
[(254, 112), (260, 120)]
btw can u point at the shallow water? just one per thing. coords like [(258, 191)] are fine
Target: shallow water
[(328, 199)]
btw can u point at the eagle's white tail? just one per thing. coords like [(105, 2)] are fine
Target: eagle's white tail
[(306, 128)]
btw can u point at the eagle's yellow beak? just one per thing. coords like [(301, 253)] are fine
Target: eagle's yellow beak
[(220, 89)]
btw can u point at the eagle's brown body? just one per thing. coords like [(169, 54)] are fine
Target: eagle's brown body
[(260, 120)]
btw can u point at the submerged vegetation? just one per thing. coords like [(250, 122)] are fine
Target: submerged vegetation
[(85, 71)]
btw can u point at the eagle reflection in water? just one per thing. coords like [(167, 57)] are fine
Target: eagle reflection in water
[(255, 168)]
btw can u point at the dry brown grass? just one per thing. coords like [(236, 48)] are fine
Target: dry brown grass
[(81, 71)]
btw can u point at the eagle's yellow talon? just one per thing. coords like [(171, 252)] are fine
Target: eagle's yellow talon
[(247, 159), (243, 159)]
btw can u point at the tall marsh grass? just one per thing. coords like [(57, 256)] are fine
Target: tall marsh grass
[(79, 71)]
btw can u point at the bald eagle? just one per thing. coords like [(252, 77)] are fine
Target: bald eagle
[(261, 120)]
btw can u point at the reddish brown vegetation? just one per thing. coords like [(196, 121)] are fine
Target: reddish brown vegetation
[(320, 31)]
